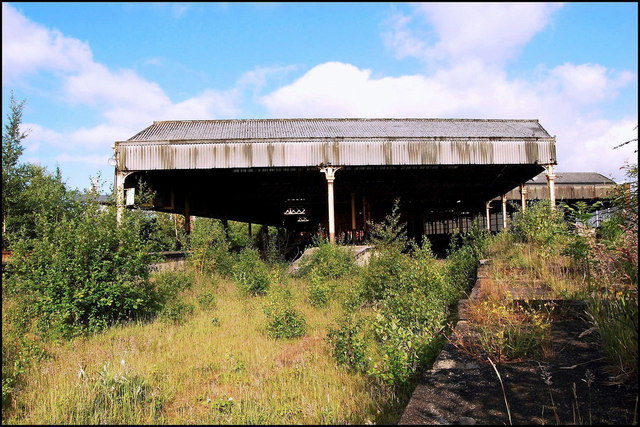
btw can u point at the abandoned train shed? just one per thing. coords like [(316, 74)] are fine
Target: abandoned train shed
[(570, 188), (335, 174)]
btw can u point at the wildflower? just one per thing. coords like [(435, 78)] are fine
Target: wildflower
[(589, 378)]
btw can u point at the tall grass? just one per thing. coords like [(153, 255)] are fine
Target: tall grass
[(203, 371)]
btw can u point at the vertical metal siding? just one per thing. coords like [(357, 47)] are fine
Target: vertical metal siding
[(339, 152)]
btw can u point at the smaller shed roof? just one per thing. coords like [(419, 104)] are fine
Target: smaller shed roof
[(572, 178)]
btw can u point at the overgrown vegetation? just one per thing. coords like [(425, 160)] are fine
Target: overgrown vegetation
[(283, 320), (390, 328), (91, 336), (544, 256)]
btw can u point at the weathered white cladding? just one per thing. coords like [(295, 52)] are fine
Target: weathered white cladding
[(564, 191), (352, 152)]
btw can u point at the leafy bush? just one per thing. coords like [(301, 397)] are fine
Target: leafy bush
[(329, 261), (168, 285), (250, 273), (319, 289), (84, 273), (611, 229), (410, 294), (349, 343), (163, 232), (207, 300), (390, 233), (283, 321), (210, 248), (382, 273), (461, 270), (539, 224), (405, 325)]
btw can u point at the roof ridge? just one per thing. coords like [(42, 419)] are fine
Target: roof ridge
[(338, 119)]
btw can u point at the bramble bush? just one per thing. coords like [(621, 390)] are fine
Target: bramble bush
[(283, 321)]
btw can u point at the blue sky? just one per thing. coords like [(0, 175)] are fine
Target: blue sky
[(95, 73)]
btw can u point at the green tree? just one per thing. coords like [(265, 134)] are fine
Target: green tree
[(12, 179)]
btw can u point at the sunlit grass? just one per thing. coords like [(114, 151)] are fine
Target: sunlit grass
[(525, 266), (217, 366)]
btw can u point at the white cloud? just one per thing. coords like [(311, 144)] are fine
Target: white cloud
[(37, 135), (401, 39), (593, 143), (126, 101), (588, 83), (488, 32), (28, 47), (96, 160), (472, 43)]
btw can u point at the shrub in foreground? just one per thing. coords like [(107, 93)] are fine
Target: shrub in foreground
[(540, 225), (319, 289), (210, 248), (84, 273), (283, 321), (349, 343), (250, 273), (329, 261)]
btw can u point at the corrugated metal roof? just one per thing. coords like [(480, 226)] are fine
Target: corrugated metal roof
[(569, 178), (256, 129)]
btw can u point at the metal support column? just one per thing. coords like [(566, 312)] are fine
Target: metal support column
[(504, 211), (523, 197), (119, 187), (488, 216), (551, 182), (330, 173)]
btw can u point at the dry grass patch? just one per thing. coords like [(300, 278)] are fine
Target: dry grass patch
[(216, 366)]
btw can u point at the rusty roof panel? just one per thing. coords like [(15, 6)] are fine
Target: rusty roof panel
[(301, 153)]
